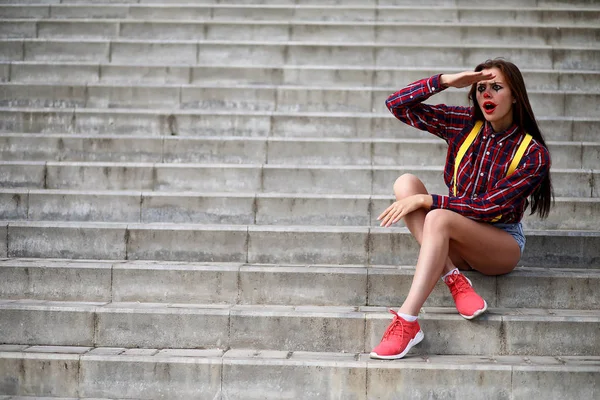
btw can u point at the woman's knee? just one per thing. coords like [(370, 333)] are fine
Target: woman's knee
[(438, 221), (408, 185)]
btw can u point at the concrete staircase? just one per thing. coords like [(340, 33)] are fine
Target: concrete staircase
[(189, 193)]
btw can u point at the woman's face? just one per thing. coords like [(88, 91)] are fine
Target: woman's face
[(496, 100)]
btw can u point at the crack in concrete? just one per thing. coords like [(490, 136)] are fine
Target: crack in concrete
[(46, 175), (7, 239), (141, 207), (112, 284), (126, 239)]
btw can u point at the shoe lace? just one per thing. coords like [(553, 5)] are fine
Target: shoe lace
[(458, 284), (396, 328)]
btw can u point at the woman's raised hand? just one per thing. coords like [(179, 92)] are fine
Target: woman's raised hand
[(466, 78)]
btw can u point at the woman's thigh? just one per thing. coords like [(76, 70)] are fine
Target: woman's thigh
[(481, 246)]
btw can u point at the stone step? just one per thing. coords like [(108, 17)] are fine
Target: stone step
[(86, 372), (241, 208), (170, 122), (240, 53), (252, 150), (263, 244), (303, 31), (333, 76), (526, 14), (372, 3), (501, 331), (264, 178), (365, 255), (261, 98), (247, 284)]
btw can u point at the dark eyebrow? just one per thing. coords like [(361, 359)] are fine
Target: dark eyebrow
[(491, 83)]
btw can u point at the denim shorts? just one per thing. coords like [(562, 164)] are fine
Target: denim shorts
[(516, 231)]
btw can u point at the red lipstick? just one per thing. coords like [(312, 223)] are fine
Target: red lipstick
[(488, 107)]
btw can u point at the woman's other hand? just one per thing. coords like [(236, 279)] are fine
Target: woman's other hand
[(398, 209), (464, 79)]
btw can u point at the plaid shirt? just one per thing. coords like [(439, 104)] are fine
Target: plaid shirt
[(483, 190)]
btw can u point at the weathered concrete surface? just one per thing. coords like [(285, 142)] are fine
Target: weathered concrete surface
[(243, 374)]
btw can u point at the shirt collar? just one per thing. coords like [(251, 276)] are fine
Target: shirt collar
[(502, 135)]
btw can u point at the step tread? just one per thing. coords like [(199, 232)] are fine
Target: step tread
[(300, 22), (278, 357), (238, 194), (346, 167), (257, 86), (166, 4), (149, 265), (176, 112), (301, 43), (242, 139), (302, 311), (343, 67), (264, 228)]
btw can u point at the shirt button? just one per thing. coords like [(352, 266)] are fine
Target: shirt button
[(487, 153), (474, 197), (411, 97), (493, 136), (485, 137), (481, 174), (433, 88)]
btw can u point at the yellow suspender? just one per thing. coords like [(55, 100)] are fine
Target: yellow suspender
[(469, 140), (519, 154), (463, 149)]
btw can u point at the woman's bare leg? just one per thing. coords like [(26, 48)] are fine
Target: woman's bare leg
[(448, 239), (485, 248), (408, 185)]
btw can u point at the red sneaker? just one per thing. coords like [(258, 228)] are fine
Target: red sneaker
[(398, 339), (468, 303)]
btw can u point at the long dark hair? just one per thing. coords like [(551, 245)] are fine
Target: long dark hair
[(541, 198)]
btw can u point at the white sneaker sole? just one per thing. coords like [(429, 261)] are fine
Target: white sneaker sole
[(476, 313), (416, 340)]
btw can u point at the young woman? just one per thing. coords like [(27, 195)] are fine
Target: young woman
[(497, 164)]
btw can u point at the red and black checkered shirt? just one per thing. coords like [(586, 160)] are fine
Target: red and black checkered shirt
[(484, 192)]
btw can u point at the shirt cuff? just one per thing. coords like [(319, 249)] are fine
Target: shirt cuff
[(434, 85), (439, 201)]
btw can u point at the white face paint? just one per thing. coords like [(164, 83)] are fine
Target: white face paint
[(496, 100)]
